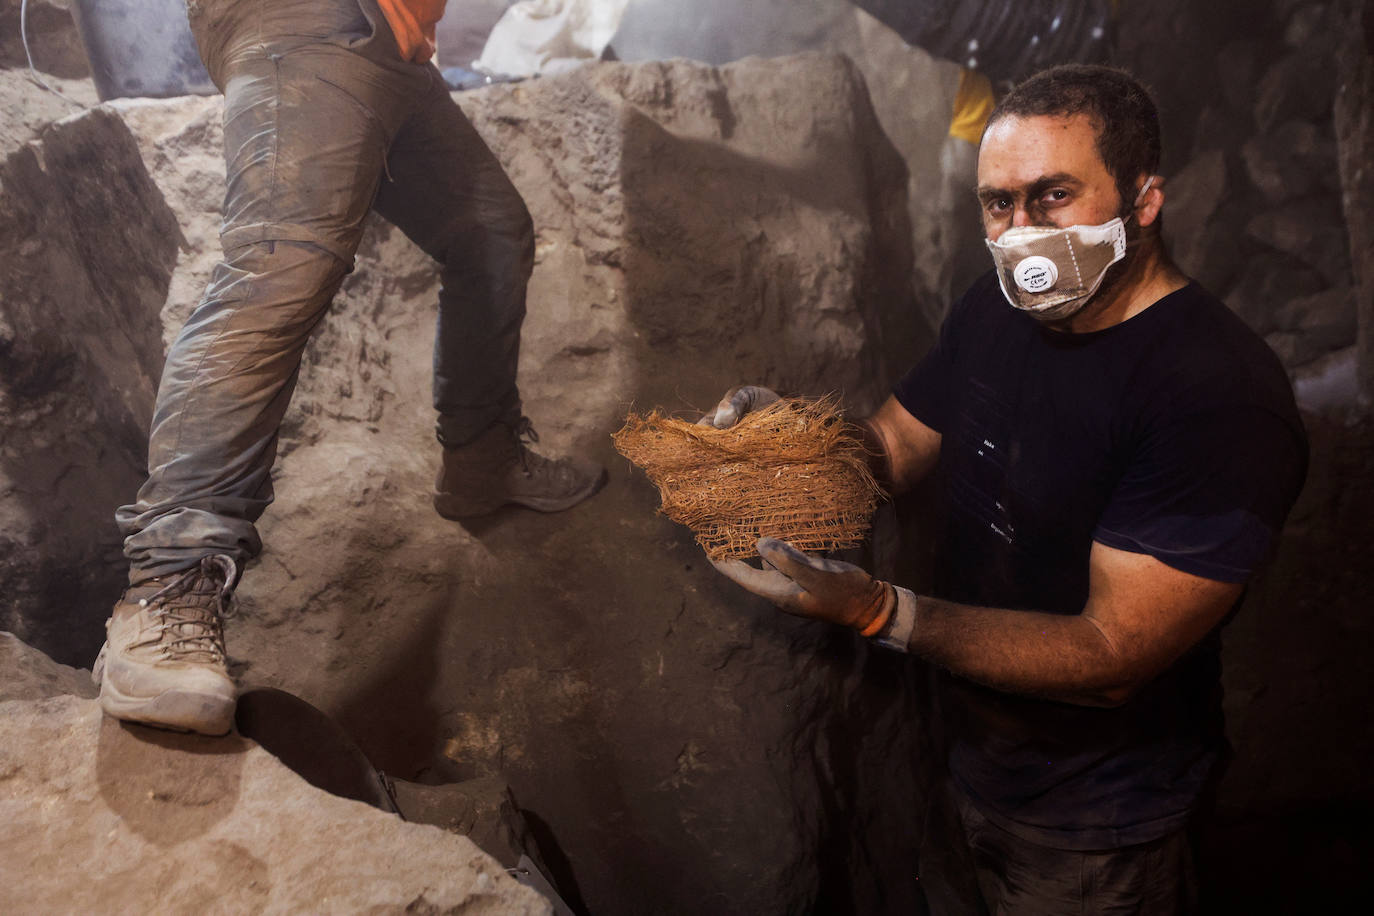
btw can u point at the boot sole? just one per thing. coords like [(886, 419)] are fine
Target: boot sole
[(174, 710), (454, 507)]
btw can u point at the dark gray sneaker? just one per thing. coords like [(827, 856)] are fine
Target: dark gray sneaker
[(498, 468), (163, 659)]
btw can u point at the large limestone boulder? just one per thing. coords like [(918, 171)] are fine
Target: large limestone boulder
[(101, 817), (87, 246), (685, 746), (913, 96)]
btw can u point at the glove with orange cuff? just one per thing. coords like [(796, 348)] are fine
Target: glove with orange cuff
[(829, 590)]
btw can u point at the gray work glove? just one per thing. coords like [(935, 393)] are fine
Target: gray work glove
[(736, 403), (829, 590)]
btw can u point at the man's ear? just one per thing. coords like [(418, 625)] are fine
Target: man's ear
[(1149, 204)]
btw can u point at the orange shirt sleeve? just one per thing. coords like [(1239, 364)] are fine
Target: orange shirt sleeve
[(413, 22), (973, 102)]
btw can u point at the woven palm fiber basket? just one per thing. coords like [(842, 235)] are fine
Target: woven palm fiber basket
[(792, 470)]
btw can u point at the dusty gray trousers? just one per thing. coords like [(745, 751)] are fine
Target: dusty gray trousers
[(323, 121), (973, 867)]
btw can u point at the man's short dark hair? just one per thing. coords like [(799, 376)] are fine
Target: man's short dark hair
[(1118, 105)]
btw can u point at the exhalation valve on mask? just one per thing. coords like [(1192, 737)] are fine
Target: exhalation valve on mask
[(1053, 272)]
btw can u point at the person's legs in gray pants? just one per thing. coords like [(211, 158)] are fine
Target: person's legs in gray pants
[(322, 120), (309, 124), (448, 193)]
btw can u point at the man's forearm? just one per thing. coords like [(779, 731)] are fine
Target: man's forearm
[(877, 452), (1057, 657), (902, 449)]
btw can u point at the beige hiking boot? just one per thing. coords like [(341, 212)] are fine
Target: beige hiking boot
[(163, 659), (497, 468)]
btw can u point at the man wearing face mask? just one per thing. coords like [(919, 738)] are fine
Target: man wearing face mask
[(1116, 454)]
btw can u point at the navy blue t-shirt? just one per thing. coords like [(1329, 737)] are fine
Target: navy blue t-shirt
[(1172, 434)]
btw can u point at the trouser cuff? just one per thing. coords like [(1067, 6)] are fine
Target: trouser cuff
[(454, 430)]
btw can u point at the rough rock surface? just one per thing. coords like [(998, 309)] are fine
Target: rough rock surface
[(1354, 119), (80, 350), (53, 40), (26, 108), (31, 675), (913, 95), (696, 228), (1253, 188), (152, 821)]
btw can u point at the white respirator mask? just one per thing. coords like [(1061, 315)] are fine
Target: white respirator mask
[(1052, 272)]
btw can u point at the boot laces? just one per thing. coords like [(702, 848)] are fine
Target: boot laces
[(187, 621), (557, 471), (525, 436), (524, 430)]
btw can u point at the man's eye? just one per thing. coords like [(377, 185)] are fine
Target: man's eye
[(999, 205), (1055, 196)]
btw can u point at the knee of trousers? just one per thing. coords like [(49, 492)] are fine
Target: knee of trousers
[(242, 343), (286, 281), (501, 243), (304, 257), (522, 240)]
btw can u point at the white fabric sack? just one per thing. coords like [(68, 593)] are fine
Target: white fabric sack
[(549, 36)]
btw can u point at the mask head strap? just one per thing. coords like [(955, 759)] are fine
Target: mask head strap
[(1141, 196), (1143, 188)]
